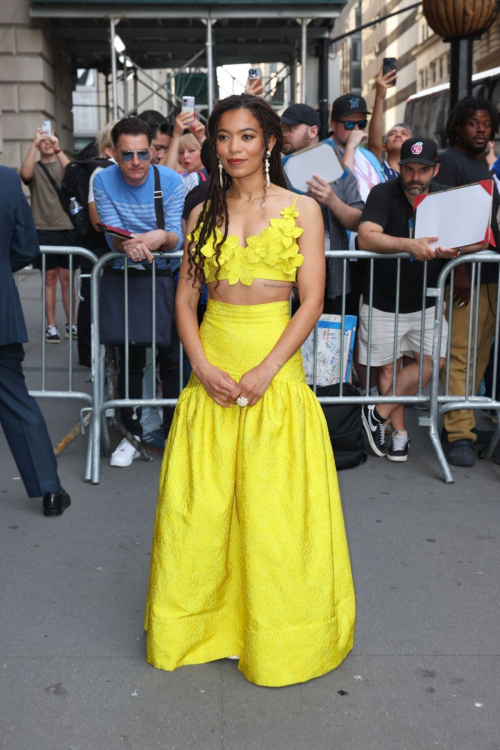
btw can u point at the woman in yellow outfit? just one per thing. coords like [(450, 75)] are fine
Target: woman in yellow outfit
[(250, 557)]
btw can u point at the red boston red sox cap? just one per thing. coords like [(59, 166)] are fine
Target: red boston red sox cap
[(419, 151)]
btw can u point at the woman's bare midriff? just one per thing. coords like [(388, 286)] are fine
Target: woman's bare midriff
[(261, 292)]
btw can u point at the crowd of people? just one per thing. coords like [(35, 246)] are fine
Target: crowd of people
[(370, 207)]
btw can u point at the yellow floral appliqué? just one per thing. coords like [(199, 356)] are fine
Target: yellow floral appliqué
[(272, 254)]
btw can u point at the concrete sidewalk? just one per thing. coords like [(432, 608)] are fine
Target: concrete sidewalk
[(424, 672)]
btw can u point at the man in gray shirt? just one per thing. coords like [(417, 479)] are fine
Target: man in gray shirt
[(340, 202)]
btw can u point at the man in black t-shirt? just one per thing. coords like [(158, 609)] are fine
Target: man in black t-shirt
[(472, 123), (386, 227)]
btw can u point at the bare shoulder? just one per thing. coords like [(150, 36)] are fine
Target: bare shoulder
[(308, 209)]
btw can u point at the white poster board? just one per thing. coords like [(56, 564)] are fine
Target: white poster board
[(321, 160), (459, 216)]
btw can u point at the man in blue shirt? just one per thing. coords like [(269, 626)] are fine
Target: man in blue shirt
[(124, 198)]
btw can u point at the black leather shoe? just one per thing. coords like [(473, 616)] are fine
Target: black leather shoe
[(55, 503)]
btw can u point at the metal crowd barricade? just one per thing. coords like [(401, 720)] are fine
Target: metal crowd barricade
[(441, 404), (70, 393), (99, 424), (434, 402)]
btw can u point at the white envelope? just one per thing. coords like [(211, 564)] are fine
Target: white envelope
[(321, 160)]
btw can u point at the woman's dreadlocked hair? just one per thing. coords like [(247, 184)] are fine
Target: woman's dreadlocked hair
[(460, 112), (215, 212)]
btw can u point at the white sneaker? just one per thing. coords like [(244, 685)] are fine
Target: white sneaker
[(124, 454)]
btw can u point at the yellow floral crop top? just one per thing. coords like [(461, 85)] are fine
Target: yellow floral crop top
[(272, 254)]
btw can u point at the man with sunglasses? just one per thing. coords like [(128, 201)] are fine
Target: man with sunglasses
[(124, 197), (348, 123)]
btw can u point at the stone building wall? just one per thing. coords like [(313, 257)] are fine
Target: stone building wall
[(35, 82)]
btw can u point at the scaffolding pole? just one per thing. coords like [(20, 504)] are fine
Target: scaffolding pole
[(125, 86), (303, 60), (210, 64), (114, 76)]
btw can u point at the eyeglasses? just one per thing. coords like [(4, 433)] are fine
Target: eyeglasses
[(351, 124), (144, 154)]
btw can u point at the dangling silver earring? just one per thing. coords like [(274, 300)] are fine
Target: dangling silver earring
[(266, 167), (221, 174)]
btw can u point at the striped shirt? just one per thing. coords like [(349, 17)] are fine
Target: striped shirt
[(132, 207)]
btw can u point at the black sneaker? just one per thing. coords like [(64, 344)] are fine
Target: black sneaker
[(52, 335), (398, 450), (74, 332), (374, 429)]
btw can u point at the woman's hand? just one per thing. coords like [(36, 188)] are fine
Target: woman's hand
[(182, 122), (218, 384), (253, 384), (198, 130)]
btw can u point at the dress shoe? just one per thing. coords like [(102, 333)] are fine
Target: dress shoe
[(55, 503)]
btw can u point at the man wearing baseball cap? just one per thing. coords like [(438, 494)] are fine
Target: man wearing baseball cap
[(386, 227), (301, 125), (348, 121), (340, 202)]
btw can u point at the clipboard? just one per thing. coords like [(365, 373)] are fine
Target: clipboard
[(459, 216), (319, 159)]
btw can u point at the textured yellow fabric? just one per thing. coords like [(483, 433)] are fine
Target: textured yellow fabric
[(250, 556), (272, 254)]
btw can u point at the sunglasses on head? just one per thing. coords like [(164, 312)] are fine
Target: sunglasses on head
[(351, 124), (144, 154)]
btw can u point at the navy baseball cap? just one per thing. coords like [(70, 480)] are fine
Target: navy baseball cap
[(297, 114), (348, 104), (419, 150)]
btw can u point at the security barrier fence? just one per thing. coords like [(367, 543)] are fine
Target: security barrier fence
[(438, 400), (68, 394)]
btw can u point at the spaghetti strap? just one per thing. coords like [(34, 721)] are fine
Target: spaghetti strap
[(295, 201)]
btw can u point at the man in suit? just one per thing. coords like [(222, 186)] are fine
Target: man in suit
[(20, 415)]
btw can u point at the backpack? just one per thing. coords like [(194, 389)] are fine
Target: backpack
[(344, 426), (75, 184)]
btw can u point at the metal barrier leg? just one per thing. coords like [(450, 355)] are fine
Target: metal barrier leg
[(105, 441), (88, 465)]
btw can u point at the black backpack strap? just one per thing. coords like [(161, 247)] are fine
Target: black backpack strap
[(50, 179), (160, 219)]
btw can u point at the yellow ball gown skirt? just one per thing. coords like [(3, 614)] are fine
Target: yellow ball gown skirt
[(250, 555)]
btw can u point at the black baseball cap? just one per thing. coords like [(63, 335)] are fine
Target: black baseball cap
[(419, 151), (300, 113), (348, 104)]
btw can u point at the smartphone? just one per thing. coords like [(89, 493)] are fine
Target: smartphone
[(389, 63), (255, 73), (47, 127), (188, 106)]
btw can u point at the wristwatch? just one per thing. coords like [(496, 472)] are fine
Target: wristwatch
[(57, 150)]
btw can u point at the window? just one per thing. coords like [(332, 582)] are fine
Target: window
[(433, 72), (448, 64), (441, 67), (423, 78)]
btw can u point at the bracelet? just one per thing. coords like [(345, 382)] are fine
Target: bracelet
[(57, 150), (458, 253)]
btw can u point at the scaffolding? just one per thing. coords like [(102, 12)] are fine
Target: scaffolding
[(192, 37)]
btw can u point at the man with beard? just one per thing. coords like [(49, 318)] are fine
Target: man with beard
[(340, 202), (386, 227), (471, 124)]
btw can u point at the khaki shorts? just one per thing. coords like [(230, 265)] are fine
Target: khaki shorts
[(409, 335)]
